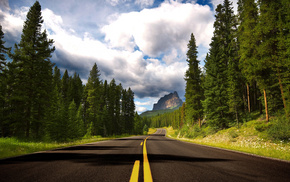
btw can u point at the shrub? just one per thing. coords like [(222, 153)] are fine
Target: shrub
[(280, 129), (263, 126), (233, 134)]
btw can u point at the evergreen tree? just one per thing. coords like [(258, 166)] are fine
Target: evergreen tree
[(114, 108), (73, 123), (80, 128), (3, 83), (65, 87), (131, 110), (124, 112), (235, 79), (76, 89), (268, 65), (193, 90), (248, 42), (57, 78), (93, 89), (30, 75), (55, 123), (284, 54), (216, 103), (3, 51), (138, 125)]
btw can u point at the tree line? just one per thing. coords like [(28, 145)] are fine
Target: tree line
[(36, 101), (246, 68)]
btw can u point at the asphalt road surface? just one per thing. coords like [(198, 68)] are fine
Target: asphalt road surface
[(142, 158)]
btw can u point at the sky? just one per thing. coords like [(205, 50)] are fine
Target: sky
[(140, 43)]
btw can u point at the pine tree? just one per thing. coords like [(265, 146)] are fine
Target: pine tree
[(55, 127), (124, 112), (93, 89), (3, 83), (3, 51), (131, 110), (217, 96), (31, 75), (268, 65), (73, 123), (284, 53), (65, 87), (193, 90), (80, 129), (248, 42), (76, 89), (235, 79), (57, 78)]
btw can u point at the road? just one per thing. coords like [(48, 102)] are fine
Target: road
[(145, 158)]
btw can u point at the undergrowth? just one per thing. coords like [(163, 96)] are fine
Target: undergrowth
[(271, 139), (10, 147)]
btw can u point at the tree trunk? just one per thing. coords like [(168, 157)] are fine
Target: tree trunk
[(266, 105), (199, 122), (248, 95)]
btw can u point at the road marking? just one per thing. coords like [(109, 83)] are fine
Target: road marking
[(141, 143), (146, 166), (135, 172)]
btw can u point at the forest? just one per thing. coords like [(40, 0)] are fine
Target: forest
[(246, 72), (37, 102)]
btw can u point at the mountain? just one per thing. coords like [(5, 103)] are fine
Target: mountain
[(169, 101)]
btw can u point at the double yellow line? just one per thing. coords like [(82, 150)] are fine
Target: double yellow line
[(146, 166)]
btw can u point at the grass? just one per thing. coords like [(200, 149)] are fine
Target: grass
[(151, 131), (246, 138), (10, 147)]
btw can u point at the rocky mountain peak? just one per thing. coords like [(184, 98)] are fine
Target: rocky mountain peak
[(171, 100)]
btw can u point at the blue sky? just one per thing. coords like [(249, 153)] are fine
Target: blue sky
[(140, 43)]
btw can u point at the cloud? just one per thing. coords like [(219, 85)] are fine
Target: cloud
[(12, 23), (144, 3), (159, 30), (4, 5), (140, 109), (146, 77), (116, 2), (143, 50)]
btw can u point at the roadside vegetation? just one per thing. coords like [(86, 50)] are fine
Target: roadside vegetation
[(240, 99), (11, 147), (38, 101), (269, 139)]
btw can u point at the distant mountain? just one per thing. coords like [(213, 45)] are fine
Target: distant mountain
[(155, 113), (169, 101)]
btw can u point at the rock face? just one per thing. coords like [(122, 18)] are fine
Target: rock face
[(168, 101)]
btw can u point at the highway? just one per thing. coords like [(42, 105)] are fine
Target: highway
[(142, 158)]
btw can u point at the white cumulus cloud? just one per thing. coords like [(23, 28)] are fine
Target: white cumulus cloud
[(159, 30)]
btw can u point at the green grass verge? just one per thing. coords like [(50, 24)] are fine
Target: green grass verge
[(10, 147), (244, 139)]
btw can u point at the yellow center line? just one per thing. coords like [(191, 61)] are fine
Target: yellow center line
[(146, 166), (141, 143), (135, 172)]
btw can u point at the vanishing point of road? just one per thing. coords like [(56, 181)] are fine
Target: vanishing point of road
[(142, 158)]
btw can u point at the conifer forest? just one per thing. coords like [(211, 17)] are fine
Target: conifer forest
[(38, 102), (246, 71)]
